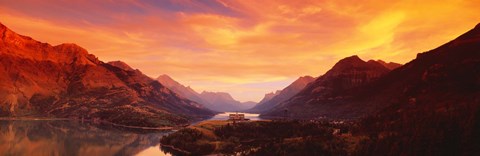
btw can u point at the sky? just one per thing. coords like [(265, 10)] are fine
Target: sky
[(244, 47)]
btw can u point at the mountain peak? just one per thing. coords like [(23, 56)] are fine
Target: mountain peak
[(352, 60), (28, 48), (302, 81), (76, 53), (353, 57), (164, 76), (121, 65), (222, 101), (218, 94), (3, 28), (390, 65), (10, 37), (71, 47), (347, 63), (306, 77), (269, 96), (471, 36), (168, 81)]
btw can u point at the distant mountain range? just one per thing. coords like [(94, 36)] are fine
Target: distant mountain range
[(217, 101), (269, 96), (180, 89), (272, 99), (64, 81), (221, 101)]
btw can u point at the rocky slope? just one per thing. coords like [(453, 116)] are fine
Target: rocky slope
[(121, 65), (180, 89), (65, 81), (269, 96), (346, 74), (283, 95)]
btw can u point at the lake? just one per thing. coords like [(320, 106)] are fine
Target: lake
[(224, 116), (68, 137), (65, 137)]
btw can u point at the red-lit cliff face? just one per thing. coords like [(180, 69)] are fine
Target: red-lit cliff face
[(65, 81), (121, 65)]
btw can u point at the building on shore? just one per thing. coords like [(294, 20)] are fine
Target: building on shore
[(237, 117)]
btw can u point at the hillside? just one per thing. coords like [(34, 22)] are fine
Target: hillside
[(65, 81), (283, 95), (320, 98)]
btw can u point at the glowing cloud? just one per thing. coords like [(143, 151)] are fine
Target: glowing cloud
[(244, 47)]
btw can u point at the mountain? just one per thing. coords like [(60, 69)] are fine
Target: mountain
[(64, 81), (221, 101), (269, 96), (348, 73), (180, 89), (247, 105), (121, 65), (429, 106), (435, 97), (283, 95), (217, 101), (390, 65)]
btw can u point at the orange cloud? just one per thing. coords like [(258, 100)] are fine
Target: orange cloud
[(234, 46)]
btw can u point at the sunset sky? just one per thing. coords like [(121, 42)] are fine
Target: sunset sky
[(244, 47)]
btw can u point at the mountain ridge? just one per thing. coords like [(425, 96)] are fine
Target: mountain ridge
[(180, 89), (222, 101), (66, 81), (436, 92), (347, 73), (284, 94), (397, 86)]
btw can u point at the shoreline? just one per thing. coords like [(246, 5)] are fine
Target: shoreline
[(174, 148), (101, 121), (139, 127), (32, 119)]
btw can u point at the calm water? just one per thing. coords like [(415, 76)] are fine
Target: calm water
[(71, 138), (224, 116), (38, 138)]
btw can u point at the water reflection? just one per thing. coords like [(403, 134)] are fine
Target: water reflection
[(73, 138), (224, 116)]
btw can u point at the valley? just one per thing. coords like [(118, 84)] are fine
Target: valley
[(239, 78)]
